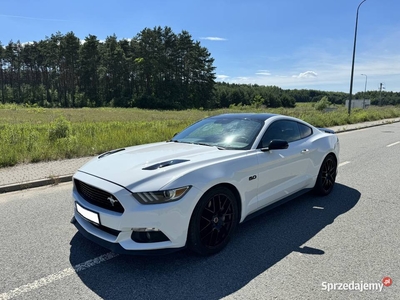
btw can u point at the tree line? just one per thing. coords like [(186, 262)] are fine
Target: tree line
[(272, 96), (156, 69)]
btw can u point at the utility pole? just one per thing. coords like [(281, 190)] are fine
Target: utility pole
[(380, 94), (354, 56)]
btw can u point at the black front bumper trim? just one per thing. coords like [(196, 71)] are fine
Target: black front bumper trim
[(117, 248)]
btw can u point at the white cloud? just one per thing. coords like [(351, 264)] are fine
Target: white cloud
[(222, 77), (327, 66), (333, 76), (307, 74), (213, 38), (33, 18), (263, 73), (26, 43)]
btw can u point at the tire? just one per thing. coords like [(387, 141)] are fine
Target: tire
[(326, 176), (214, 219)]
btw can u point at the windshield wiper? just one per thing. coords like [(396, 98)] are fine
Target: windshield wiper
[(200, 143), (205, 144)]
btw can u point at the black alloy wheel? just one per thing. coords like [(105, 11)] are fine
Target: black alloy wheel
[(214, 219), (327, 176)]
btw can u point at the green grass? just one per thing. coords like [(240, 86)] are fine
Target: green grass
[(37, 134)]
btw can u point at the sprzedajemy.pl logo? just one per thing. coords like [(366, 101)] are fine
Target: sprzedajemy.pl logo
[(357, 286)]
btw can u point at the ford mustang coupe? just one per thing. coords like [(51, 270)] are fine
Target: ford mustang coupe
[(193, 190)]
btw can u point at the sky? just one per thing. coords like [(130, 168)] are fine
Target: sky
[(292, 44)]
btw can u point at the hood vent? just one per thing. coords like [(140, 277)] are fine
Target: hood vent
[(165, 164)]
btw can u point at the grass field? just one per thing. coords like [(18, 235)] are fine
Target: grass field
[(32, 134)]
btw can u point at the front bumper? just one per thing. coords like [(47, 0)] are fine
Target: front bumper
[(115, 229), (117, 248)]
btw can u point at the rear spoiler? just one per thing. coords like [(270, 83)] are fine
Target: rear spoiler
[(327, 130)]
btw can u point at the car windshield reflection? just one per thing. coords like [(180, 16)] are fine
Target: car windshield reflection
[(224, 133)]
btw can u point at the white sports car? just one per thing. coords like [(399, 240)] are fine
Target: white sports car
[(193, 190)]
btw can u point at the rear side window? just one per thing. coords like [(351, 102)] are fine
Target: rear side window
[(305, 131)]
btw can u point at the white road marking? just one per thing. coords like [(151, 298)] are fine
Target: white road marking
[(390, 145), (57, 276), (318, 207), (344, 163)]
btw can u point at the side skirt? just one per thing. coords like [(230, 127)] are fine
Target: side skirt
[(276, 204)]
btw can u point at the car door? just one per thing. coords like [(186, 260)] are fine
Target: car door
[(285, 171)]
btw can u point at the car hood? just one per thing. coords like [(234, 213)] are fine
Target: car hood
[(152, 166)]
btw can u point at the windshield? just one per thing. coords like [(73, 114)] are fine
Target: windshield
[(227, 133)]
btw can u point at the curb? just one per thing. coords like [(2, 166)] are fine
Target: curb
[(34, 184), (365, 126)]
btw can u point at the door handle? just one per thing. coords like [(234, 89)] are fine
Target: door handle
[(304, 151)]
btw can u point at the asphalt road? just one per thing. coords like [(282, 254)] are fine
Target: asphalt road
[(297, 251)]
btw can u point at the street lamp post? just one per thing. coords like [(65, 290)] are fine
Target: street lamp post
[(365, 89), (354, 56)]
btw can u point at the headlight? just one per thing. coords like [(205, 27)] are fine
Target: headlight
[(161, 196)]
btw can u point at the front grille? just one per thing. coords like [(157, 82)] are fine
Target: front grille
[(98, 197)]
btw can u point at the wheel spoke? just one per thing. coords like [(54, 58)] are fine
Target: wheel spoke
[(221, 207), (207, 221), (225, 230), (211, 206), (211, 239), (228, 208), (203, 237), (216, 240)]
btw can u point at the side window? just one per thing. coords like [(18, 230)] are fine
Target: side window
[(281, 130), (305, 131)]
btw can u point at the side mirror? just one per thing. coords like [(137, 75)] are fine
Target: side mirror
[(276, 145)]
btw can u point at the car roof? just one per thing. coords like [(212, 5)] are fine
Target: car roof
[(251, 116)]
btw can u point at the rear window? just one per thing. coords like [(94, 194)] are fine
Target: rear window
[(305, 131)]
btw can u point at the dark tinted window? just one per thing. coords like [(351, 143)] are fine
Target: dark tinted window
[(305, 131), (281, 130)]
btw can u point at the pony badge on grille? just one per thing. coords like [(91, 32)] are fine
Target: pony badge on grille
[(112, 200)]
